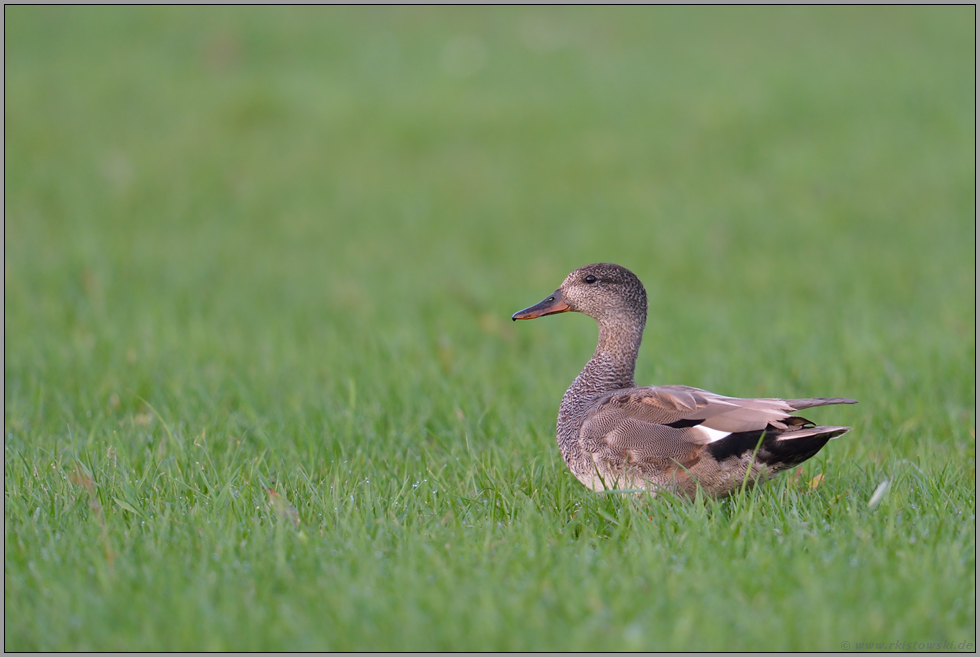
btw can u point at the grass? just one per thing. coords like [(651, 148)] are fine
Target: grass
[(261, 391)]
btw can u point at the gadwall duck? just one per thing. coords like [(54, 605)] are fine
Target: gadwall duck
[(615, 435)]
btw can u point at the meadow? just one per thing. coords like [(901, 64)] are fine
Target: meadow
[(261, 386)]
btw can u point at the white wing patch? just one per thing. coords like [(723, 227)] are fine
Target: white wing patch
[(713, 434)]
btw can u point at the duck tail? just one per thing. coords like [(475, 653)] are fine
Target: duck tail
[(791, 448), (777, 449)]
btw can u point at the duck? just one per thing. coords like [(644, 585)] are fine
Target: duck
[(617, 436)]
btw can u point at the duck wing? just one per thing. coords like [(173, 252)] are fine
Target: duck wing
[(669, 425)]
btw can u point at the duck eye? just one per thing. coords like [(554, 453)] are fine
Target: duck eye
[(590, 279)]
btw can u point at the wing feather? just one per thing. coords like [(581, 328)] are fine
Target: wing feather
[(635, 424)]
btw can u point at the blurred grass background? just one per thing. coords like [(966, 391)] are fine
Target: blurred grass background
[(279, 247)]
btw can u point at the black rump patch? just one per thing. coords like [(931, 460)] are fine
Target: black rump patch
[(735, 444), (772, 452)]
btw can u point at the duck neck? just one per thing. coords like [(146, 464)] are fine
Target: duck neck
[(610, 368), (614, 362)]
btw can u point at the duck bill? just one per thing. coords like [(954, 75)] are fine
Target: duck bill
[(550, 306)]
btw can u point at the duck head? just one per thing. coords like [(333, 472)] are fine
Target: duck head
[(603, 291)]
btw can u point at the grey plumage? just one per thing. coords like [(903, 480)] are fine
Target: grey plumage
[(614, 434)]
